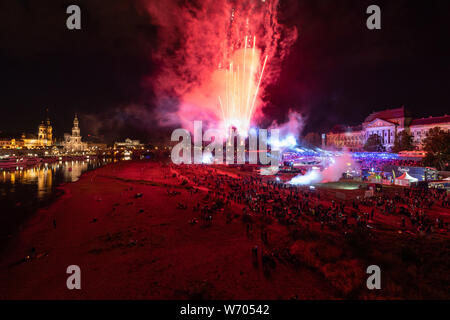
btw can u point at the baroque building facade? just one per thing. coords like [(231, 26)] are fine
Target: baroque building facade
[(386, 124), (72, 142), (45, 133), (43, 138)]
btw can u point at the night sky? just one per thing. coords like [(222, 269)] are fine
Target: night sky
[(337, 72)]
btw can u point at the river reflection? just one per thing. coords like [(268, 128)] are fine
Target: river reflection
[(44, 176), (24, 189)]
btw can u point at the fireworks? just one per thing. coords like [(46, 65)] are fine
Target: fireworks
[(217, 58), (242, 83)]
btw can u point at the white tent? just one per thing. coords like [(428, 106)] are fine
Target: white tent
[(405, 180)]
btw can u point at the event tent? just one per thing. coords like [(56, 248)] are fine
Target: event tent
[(405, 180)]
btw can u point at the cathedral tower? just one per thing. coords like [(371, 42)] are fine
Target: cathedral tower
[(49, 133), (76, 129), (42, 132)]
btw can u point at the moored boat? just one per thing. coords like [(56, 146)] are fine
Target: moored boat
[(9, 162)]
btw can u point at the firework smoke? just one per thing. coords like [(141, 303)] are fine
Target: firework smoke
[(293, 127), (340, 165), (311, 177), (333, 172), (216, 59)]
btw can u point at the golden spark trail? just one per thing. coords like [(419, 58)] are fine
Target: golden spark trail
[(241, 87), (238, 91), (257, 88), (245, 57), (247, 116), (221, 107)]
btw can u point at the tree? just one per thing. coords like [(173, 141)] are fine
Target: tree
[(313, 138), (437, 146), (403, 142), (374, 144)]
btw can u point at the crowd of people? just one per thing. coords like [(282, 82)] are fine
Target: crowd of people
[(268, 198), (379, 164), (254, 198)]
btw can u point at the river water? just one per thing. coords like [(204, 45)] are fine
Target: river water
[(24, 190)]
